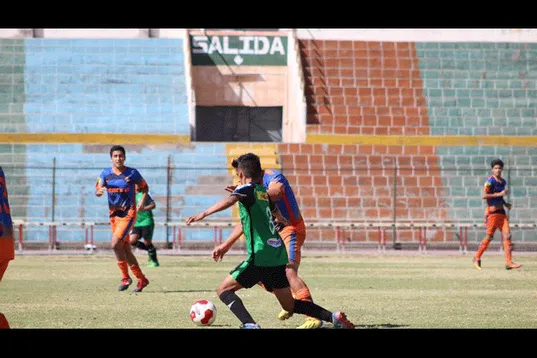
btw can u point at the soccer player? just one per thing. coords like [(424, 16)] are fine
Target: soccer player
[(267, 257), (7, 242), (495, 216), (293, 235), (144, 226), (119, 181)]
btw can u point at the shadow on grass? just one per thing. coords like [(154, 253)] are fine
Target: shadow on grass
[(181, 291), (382, 325)]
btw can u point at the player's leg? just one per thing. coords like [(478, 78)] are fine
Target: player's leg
[(294, 237), (276, 278), (508, 245), (151, 250), (135, 268), (3, 267), (4, 324), (490, 224), (120, 253), (245, 275), (134, 238)]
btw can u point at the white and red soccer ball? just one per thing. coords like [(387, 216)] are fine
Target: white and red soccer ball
[(203, 312)]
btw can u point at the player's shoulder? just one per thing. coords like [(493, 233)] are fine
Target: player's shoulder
[(107, 170), (490, 180)]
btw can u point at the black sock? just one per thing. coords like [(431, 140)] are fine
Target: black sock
[(313, 310), (140, 245), (230, 299), (152, 252)]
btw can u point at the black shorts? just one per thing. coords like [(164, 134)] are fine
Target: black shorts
[(248, 275), (145, 232)]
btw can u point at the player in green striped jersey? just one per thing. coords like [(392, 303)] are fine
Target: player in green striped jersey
[(267, 256)]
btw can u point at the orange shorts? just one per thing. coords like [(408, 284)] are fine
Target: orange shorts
[(3, 267), (122, 226), (293, 237), (497, 221)]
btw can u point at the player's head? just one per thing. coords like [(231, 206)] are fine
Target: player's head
[(248, 166), (118, 156), (497, 167)]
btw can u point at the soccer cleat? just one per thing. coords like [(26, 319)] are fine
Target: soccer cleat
[(125, 283), (311, 323), (512, 265), (250, 326), (477, 263), (153, 264), (141, 285), (283, 315), (340, 321)]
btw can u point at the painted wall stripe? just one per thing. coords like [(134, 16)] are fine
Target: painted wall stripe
[(448, 141), (93, 138)]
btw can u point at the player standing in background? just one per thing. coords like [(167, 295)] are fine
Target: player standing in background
[(119, 181), (7, 242), (495, 216), (144, 226), (293, 235), (267, 257)]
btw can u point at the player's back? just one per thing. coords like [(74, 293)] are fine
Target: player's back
[(7, 249), (288, 204)]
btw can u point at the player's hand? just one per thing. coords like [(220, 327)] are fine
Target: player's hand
[(140, 208), (508, 206), (504, 192), (219, 252), (231, 188), (194, 218), (100, 191)]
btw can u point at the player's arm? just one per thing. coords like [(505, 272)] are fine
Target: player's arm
[(220, 250), (149, 202), (100, 188), (275, 190), (487, 192), (280, 220), (219, 206), (142, 184)]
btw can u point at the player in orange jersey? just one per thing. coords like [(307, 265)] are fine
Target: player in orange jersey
[(495, 216), (293, 234), (119, 181)]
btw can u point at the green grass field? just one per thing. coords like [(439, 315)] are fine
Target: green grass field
[(394, 290)]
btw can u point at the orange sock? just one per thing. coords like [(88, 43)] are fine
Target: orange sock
[(507, 250), (482, 247), (303, 294), (137, 272), (4, 324), (124, 268)]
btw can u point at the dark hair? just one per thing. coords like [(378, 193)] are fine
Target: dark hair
[(496, 162), (117, 147), (250, 165)]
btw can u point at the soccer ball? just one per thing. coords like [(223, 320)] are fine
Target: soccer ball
[(203, 312)]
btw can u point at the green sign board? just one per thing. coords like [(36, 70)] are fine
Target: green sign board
[(238, 50)]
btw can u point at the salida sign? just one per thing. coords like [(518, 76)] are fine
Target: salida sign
[(238, 50)]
